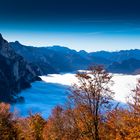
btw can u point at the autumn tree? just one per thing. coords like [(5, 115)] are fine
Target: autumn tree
[(134, 104), (124, 123), (93, 92), (134, 100), (66, 124), (7, 131), (121, 124), (30, 128), (116, 125), (54, 129)]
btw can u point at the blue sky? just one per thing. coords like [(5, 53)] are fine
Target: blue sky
[(89, 25), (84, 35)]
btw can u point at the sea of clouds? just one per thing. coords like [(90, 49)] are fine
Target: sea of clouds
[(44, 95)]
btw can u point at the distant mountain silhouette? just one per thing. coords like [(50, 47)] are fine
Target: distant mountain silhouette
[(15, 73), (129, 66), (118, 56), (58, 59)]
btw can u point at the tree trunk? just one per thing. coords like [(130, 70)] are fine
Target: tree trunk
[(96, 130)]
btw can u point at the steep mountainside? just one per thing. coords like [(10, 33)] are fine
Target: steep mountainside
[(15, 73)]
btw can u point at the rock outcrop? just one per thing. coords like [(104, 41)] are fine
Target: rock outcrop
[(15, 73)]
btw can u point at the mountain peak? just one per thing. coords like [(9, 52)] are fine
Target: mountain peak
[(17, 42), (82, 52), (1, 35), (1, 38)]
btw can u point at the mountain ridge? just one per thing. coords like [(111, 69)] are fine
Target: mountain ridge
[(63, 59)]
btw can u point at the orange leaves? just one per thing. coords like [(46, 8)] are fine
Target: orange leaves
[(121, 124), (134, 100), (6, 123), (53, 130), (4, 108), (30, 128), (125, 124)]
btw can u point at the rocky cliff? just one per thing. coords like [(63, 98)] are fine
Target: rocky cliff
[(15, 73)]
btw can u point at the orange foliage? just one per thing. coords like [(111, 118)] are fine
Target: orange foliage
[(7, 131), (30, 128), (122, 125)]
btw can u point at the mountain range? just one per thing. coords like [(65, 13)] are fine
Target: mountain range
[(21, 65), (57, 59)]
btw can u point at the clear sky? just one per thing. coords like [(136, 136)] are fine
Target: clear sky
[(89, 25)]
